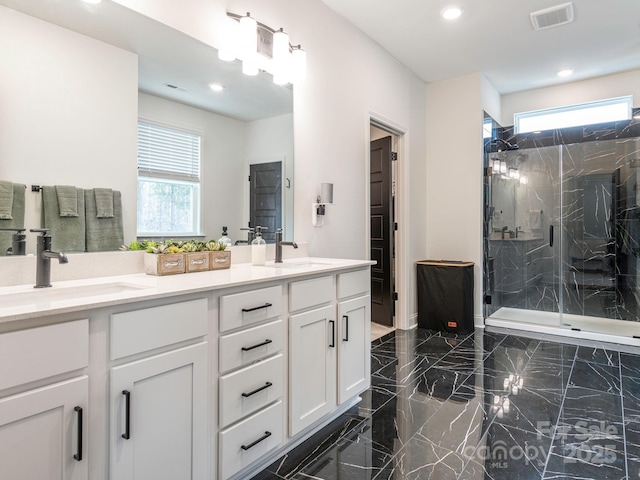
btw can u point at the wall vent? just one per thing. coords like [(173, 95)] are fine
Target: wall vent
[(174, 87), (552, 17)]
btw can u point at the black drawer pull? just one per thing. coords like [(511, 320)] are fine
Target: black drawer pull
[(346, 328), (266, 385), (266, 305), (78, 456), (264, 437), (266, 342), (333, 334), (127, 411)]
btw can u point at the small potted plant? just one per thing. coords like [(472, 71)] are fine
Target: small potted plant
[(219, 257), (164, 258), (197, 260)]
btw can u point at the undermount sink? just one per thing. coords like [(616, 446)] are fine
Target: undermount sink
[(298, 264), (37, 296)]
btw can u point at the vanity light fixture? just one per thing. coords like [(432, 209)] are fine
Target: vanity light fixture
[(260, 47)]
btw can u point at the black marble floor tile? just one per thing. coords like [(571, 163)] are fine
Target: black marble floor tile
[(423, 460), (596, 376), (630, 364), (598, 355), (488, 405)]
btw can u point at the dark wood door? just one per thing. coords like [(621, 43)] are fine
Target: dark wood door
[(265, 198), (381, 232)]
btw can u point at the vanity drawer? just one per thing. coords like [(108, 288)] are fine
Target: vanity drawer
[(248, 390), (353, 283), (42, 352), (142, 330), (242, 309), (309, 293), (250, 439), (247, 346)]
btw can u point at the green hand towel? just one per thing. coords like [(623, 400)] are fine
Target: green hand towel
[(103, 234), (18, 217), (6, 200), (67, 233), (67, 200), (104, 202)]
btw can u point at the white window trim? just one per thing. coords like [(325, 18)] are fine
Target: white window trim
[(625, 101)]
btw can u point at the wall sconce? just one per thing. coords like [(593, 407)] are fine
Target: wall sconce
[(319, 208), (261, 48)]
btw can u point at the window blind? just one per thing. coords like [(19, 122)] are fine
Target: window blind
[(168, 153)]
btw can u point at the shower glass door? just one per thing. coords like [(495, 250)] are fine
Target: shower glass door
[(524, 244), (562, 236)]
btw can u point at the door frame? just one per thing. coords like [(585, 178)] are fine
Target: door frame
[(403, 319)]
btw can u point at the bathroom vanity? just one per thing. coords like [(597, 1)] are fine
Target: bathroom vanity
[(209, 375)]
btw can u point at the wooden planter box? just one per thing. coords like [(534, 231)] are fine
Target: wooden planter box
[(197, 261), (219, 260), (164, 263)]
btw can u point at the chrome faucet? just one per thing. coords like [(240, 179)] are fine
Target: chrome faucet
[(43, 258), (280, 243)]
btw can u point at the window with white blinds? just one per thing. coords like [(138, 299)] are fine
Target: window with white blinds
[(168, 153), (168, 181)]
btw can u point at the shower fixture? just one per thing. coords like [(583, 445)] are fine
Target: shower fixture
[(504, 145)]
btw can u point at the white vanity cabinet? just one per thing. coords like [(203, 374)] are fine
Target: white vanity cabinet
[(251, 382), (159, 403), (43, 430), (329, 345), (354, 317)]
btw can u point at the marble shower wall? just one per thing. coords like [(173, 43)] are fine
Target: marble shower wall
[(583, 181)]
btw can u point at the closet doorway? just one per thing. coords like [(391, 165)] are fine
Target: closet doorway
[(382, 218)]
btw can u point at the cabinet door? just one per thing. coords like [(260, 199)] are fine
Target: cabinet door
[(313, 341), (354, 340), (42, 433), (159, 417)]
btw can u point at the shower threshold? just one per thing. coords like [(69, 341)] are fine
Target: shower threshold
[(577, 326)]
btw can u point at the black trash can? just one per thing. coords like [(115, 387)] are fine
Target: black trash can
[(445, 295)]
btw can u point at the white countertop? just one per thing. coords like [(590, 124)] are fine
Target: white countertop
[(23, 301)]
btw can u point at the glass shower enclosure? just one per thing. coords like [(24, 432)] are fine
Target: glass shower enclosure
[(562, 232)]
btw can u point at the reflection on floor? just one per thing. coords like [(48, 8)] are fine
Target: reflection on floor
[(489, 405), (378, 330)]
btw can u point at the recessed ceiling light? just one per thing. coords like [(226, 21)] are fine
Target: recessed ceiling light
[(451, 13), (565, 72), (216, 87), (92, 1)]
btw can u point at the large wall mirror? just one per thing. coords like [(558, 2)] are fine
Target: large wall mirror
[(76, 80)]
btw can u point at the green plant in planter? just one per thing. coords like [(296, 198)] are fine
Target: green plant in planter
[(137, 245), (213, 246), (190, 246)]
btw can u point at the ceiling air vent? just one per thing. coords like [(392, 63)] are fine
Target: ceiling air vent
[(174, 87), (552, 17)]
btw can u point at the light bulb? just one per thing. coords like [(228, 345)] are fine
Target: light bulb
[(248, 37), (281, 58), (298, 65), (503, 166), (523, 180), (229, 39)]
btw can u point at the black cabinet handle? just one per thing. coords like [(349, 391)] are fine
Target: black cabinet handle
[(346, 328), (78, 456), (551, 235), (266, 385), (253, 444), (266, 342), (266, 305), (333, 334), (127, 417)]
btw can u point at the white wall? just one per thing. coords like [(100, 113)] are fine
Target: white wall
[(610, 86), (223, 158), (57, 128), (454, 173), (348, 77)]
